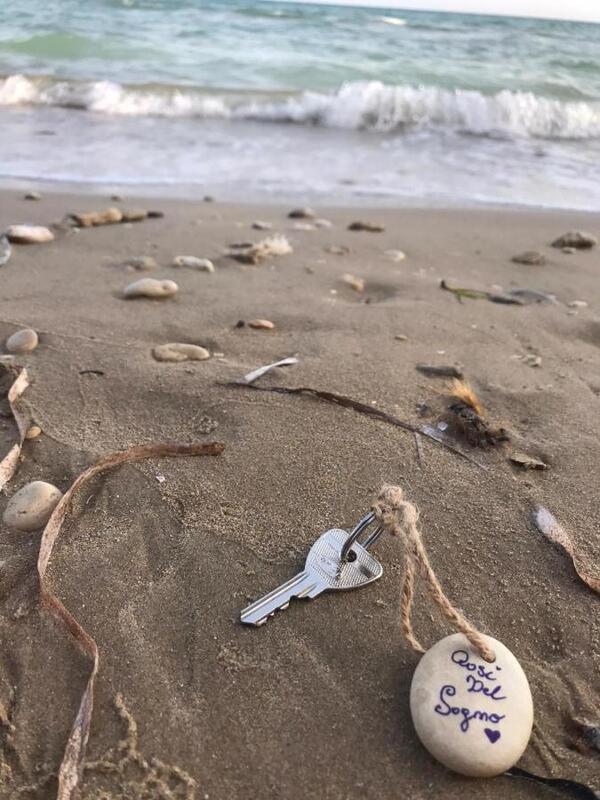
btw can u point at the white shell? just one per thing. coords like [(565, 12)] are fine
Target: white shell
[(473, 716)]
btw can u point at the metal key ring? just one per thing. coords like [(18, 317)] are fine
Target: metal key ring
[(364, 523)]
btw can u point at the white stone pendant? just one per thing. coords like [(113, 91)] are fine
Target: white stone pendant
[(473, 716)]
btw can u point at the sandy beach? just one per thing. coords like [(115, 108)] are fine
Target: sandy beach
[(156, 559)]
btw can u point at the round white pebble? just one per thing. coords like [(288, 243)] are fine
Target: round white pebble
[(23, 341), (30, 508), (150, 287), (475, 717), (179, 351)]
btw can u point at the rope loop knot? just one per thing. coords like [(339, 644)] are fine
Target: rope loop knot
[(399, 517)]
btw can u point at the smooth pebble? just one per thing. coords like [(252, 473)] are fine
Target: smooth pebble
[(29, 234), (30, 508), (261, 324), (530, 257), (23, 341), (475, 717), (33, 432), (32, 196), (193, 262), (150, 287), (179, 351)]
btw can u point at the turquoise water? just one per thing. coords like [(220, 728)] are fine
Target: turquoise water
[(278, 99)]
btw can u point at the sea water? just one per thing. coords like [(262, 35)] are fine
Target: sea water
[(273, 100)]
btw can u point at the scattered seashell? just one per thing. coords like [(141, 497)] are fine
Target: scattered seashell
[(358, 284), (302, 213), (323, 223), (261, 324), (179, 351), (527, 462), (142, 263), (337, 250), (578, 304), (150, 287), (250, 377), (577, 239), (400, 337), (29, 234), (33, 432), (304, 226), (370, 227), (23, 341), (395, 255), (110, 216), (32, 196), (30, 508), (569, 250), (532, 257), (192, 262), (5, 250), (532, 360), (259, 225)]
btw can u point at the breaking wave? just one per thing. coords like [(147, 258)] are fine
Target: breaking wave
[(359, 105)]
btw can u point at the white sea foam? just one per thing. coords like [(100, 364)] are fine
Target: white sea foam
[(363, 105), (392, 21)]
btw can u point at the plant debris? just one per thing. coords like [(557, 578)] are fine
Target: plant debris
[(250, 253), (514, 297), (444, 371), (466, 420), (10, 462), (361, 408), (71, 767), (571, 788), (527, 462), (547, 524)]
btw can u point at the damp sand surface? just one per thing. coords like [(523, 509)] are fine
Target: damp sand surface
[(157, 559)]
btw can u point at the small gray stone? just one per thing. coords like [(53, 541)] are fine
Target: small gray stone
[(142, 263), (23, 341), (302, 213), (30, 508), (580, 240), (178, 351), (32, 196), (530, 257)]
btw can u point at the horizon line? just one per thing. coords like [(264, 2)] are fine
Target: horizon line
[(433, 10)]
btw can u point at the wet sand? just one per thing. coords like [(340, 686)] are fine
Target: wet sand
[(315, 703)]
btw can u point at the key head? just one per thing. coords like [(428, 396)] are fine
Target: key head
[(324, 562)]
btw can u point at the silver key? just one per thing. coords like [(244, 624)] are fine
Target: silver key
[(324, 571)]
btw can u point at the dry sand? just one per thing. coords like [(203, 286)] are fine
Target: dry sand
[(315, 703)]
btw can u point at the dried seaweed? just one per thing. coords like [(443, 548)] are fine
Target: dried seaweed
[(361, 408), (567, 787), (71, 767), (547, 524), (9, 463), (466, 420)]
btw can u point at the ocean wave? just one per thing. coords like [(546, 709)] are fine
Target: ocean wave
[(369, 105)]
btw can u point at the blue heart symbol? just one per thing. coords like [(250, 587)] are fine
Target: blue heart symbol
[(492, 735)]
